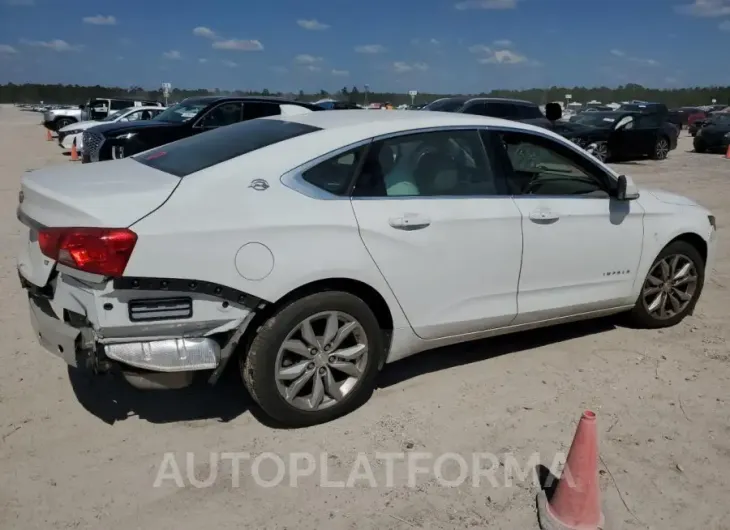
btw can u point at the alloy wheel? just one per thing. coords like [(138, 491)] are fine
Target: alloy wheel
[(662, 149), (670, 286), (601, 151), (321, 360)]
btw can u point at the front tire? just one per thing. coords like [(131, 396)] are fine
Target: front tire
[(671, 288), (315, 359), (63, 122), (661, 148)]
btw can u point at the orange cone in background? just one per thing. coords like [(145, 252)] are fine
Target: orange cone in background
[(74, 152), (576, 503), (49, 137)]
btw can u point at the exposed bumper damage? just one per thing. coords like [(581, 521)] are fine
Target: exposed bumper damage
[(155, 338)]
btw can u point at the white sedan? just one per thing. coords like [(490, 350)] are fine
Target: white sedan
[(315, 248), (73, 134)]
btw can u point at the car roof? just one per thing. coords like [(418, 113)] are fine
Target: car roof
[(359, 124), (272, 99)]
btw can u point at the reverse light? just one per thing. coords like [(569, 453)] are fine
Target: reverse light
[(103, 251)]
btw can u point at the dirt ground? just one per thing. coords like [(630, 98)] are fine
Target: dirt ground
[(80, 453)]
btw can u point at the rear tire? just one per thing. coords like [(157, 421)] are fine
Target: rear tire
[(63, 122), (307, 382), (700, 147), (671, 288)]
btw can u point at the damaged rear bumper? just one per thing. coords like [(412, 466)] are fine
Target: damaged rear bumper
[(150, 353)]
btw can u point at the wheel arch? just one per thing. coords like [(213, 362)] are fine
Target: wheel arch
[(695, 240), (368, 294)]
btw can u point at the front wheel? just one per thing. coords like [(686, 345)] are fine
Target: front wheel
[(700, 147), (63, 122), (672, 287), (601, 151), (661, 149), (315, 359)]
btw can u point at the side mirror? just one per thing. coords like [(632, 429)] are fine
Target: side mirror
[(626, 190)]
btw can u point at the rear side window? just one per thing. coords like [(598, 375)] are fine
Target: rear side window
[(501, 110), (119, 105), (201, 151), (336, 174), (254, 110)]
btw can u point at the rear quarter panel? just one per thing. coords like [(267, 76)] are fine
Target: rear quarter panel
[(218, 228)]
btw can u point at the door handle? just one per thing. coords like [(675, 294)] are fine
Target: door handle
[(544, 216), (409, 221)]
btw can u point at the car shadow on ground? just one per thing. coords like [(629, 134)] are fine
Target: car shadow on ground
[(111, 399)]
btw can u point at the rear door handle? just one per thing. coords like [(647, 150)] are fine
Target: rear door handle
[(544, 215), (409, 221)]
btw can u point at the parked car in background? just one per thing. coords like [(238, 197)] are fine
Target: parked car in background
[(190, 117), (93, 109), (714, 134), (508, 109), (275, 243), (621, 135), (338, 105), (73, 134)]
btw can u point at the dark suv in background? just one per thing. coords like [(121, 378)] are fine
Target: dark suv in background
[(508, 109)]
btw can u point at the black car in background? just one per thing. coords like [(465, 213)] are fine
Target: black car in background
[(508, 109), (621, 135), (714, 135), (189, 117)]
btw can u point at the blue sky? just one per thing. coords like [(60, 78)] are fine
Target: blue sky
[(398, 45)]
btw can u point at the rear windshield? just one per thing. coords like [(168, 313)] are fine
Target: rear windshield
[(207, 149)]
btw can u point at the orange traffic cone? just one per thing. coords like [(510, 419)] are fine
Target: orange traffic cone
[(74, 152), (576, 503), (49, 137)]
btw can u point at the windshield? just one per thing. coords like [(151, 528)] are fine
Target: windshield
[(181, 112), (601, 120), (445, 105)]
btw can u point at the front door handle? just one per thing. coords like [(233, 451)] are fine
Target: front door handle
[(544, 216), (409, 221)]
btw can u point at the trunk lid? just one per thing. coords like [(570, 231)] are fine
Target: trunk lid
[(112, 194)]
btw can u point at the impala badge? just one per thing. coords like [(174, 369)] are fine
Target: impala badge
[(259, 184)]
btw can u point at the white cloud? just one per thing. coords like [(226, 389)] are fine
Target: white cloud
[(313, 68), (340, 73), (312, 25), (307, 59), (725, 26), (486, 4), (504, 57), (173, 55), (7, 49), (503, 43), (56, 45), (480, 48), (202, 60), (705, 8), (401, 67), (20, 2), (633, 59), (206, 33), (239, 45), (370, 48), (229, 64), (101, 20)]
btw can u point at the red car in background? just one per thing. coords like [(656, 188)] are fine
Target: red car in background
[(695, 121)]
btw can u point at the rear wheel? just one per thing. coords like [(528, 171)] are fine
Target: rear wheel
[(601, 151), (315, 359), (672, 287), (661, 148)]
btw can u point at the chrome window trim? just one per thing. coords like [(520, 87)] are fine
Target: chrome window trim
[(294, 180)]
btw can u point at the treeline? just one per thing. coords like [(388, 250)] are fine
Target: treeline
[(77, 94)]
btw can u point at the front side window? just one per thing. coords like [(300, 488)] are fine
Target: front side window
[(528, 112), (335, 175), (119, 105), (443, 163), (182, 112), (537, 165), (222, 115), (501, 110)]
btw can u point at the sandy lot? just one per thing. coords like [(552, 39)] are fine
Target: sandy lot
[(80, 453)]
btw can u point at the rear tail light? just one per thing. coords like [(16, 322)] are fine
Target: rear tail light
[(104, 251)]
